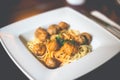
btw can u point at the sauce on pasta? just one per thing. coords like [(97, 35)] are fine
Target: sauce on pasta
[(59, 45)]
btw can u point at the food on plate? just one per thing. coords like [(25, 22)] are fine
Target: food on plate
[(63, 25), (41, 34), (59, 45), (53, 29)]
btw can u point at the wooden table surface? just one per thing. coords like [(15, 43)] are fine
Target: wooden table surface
[(15, 10)]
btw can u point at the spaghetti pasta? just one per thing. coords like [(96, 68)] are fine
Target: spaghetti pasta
[(62, 47)]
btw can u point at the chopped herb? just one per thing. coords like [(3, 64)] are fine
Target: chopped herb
[(72, 42), (62, 41)]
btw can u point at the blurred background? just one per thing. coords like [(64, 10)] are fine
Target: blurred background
[(14, 10)]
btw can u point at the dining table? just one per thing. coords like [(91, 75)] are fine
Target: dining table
[(12, 11)]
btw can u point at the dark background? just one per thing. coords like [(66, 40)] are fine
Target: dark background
[(15, 10)]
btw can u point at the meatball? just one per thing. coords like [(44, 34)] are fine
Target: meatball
[(52, 45), (63, 25), (53, 29), (39, 49), (41, 34), (87, 36), (52, 63), (53, 37), (80, 39), (69, 48)]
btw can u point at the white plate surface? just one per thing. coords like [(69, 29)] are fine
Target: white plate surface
[(14, 36)]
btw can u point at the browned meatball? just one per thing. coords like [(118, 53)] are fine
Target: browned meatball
[(52, 63), (39, 49), (63, 25), (41, 34), (52, 45), (80, 39), (53, 37), (87, 36), (69, 48), (53, 29)]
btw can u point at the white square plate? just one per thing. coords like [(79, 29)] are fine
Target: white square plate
[(14, 36)]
